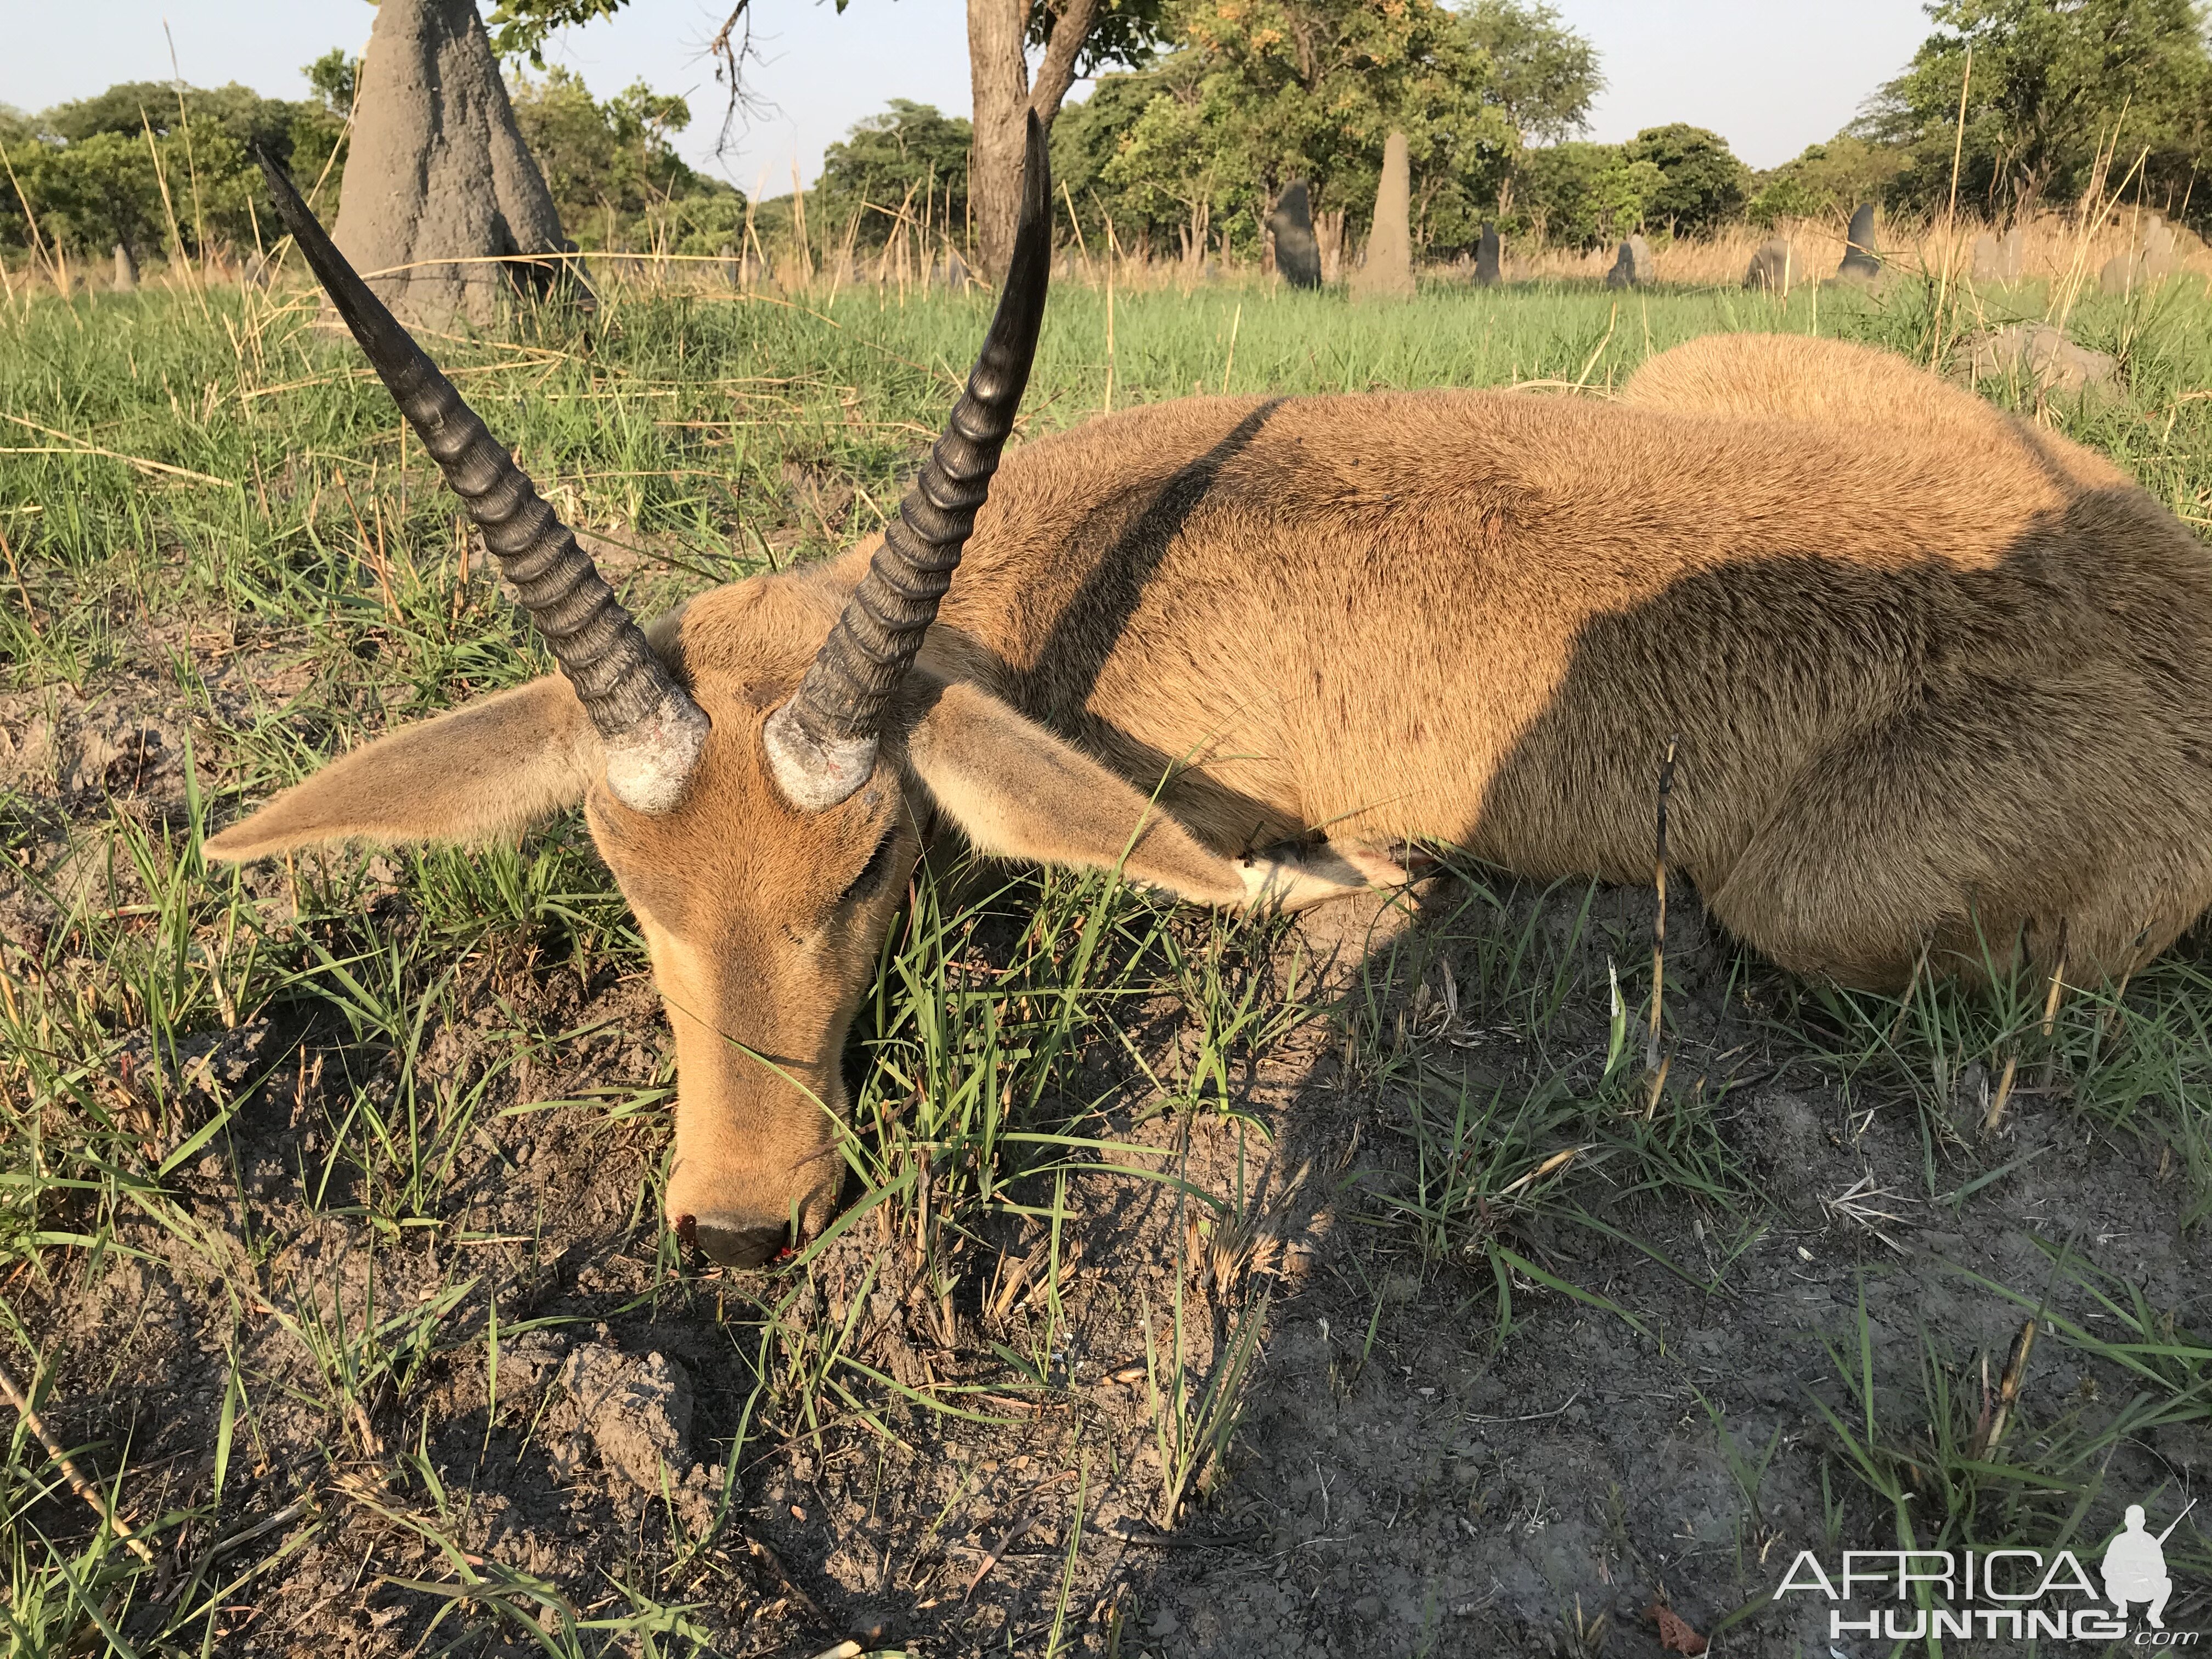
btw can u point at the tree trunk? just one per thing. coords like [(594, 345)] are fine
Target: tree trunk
[(438, 171), (998, 74), (1000, 80)]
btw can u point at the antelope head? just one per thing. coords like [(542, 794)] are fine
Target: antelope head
[(758, 770)]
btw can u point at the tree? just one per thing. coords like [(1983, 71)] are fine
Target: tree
[(1076, 38), (909, 151), (93, 180), (611, 163), (1585, 195), (1086, 136), (334, 77), (1701, 183), (132, 108), (2054, 83), (1168, 164), (1545, 74), (520, 28), (1255, 92), (1826, 181)]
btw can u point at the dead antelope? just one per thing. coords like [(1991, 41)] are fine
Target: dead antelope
[(1940, 681)]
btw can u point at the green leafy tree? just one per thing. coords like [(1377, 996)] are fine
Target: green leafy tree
[(2053, 82), (1702, 184), (92, 179), (1825, 182), (135, 106), (1585, 195), (1545, 75), (520, 28), (1086, 138), (614, 174), (897, 159), (98, 191), (1169, 164), (336, 75), (1255, 92)]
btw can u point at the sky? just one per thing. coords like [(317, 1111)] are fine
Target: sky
[(1770, 75)]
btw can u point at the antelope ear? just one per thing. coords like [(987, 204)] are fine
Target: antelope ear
[(488, 768), (1017, 791)]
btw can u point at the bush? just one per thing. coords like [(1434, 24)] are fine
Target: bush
[(910, 150), (1826, 182), (1583, 195), (1702, 186)]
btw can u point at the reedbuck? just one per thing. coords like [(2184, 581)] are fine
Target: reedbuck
[(1942, 684)]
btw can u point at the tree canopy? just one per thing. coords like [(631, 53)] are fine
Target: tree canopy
[(1583, 195), (93, 170), (913, 157), (1824, 181), (609, 163), (2053, 84), (1544, 76), (1251, 93), (91, 178), (1702, 184)]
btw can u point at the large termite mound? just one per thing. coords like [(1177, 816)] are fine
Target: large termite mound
[(438, 173)]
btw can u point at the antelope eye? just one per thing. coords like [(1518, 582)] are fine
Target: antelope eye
[(874, 873)]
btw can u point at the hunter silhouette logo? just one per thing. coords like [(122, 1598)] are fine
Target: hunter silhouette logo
[(2135, 1566)]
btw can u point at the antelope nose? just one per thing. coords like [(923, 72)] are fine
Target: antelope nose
[(731, 1240)]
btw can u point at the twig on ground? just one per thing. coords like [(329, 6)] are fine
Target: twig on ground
[(1905, 1002), (2009, 1386), (1994, 1117), (78, 1483), (774, 1564), (1015, 1534), (30, 611), (284, 1516)]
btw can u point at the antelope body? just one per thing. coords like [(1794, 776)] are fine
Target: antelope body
[(1941, 681)]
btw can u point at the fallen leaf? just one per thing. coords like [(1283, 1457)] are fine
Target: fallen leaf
[(1675, 1635)]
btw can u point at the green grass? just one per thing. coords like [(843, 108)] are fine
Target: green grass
[(303, 589)]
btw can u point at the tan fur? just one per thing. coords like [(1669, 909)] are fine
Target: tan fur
[(486, 770), (1939, 678)]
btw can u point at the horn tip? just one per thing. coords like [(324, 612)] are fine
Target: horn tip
[(1036, 169)]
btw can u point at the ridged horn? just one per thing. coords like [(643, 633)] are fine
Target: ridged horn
[(822, 743), (651, 729)]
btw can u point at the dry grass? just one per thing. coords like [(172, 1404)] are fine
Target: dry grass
[(2058, 248), (2054, 247)]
